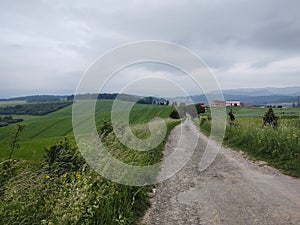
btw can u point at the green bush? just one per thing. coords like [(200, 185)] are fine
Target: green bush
[(174, 114), (63, 157)]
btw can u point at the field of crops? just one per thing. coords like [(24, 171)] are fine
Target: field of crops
[(280, 146), (11, 103), (45, 130)]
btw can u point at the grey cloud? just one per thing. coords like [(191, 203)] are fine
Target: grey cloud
[(55, 38)]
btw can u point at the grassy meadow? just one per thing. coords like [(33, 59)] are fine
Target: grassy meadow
[(56, 186), (45, 130), (49, 182), (280, 147), (11, 103)]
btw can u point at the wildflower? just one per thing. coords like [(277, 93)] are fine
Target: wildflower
[(77, 175), (47, 177), (64, 176)]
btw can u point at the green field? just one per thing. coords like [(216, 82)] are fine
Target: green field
[(258, 112), (280, 147), (57, 186), (11, 103), (45, 130)]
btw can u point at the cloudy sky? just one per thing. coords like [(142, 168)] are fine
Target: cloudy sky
[(46, 45)]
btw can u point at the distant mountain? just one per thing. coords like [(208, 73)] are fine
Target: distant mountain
[(251, 100), (268, 91), (254, 96)]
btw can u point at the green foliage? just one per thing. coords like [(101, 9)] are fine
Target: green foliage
[(279, 147), (270, 118), (9, 169), (205, 125), (62, 157), (64, 190), (174, 114), (7, 120), (146, 100), (194, 110), (43, 98), (105, 128), (199, 109), (34, 109), (44, 130), (60, 188), (74, 198)]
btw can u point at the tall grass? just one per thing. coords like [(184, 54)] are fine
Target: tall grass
[(59, 193), (279, 147)]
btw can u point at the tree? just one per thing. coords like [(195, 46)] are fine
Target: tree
[(174, 114), (231, 118), (200, 109), (7, 118), (270, 118)]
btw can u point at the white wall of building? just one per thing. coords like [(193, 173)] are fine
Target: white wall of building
[(233, 103)]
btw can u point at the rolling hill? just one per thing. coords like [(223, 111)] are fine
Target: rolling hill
[(45, 130)]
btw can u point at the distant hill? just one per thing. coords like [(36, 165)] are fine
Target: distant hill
[(109, 96), (252, 100), (268, 91), (253, 96), (37, 98)]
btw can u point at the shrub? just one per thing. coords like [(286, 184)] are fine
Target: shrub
[(63, 157), (174, 114)]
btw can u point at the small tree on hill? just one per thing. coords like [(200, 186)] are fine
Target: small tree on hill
[(200, 109), (174, 114), (270, 118), (231, 118)]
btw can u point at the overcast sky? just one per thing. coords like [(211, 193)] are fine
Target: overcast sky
[(46, 45)]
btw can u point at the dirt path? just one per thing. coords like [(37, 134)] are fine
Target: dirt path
[(233, 190)]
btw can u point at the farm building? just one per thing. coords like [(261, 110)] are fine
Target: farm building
[(217, 103), (233, 103)]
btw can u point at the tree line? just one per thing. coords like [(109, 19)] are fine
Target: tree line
[(7, 120), (36, 109)]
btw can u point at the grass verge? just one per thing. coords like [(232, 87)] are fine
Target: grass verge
[(65, 190), (279, 147)]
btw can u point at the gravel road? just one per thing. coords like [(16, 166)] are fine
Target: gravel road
[(232, 190)]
